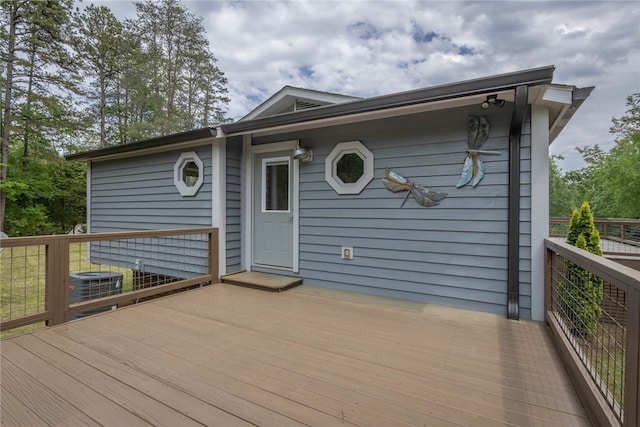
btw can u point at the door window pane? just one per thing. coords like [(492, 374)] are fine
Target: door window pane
[(276, 181)]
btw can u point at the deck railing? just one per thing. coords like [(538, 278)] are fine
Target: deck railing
[(598, 333), (53, 279), (612, 230)]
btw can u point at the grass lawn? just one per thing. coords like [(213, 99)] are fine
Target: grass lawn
[(22, 280)]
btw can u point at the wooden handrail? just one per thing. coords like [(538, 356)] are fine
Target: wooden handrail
[(623, 278), (57, 309), (625, 221), (91, 237)]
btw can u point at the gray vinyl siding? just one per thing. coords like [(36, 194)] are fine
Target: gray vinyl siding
[(234, 203), (138, 193), (453, 254)]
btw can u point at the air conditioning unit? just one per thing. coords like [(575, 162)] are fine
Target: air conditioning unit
[(88, 285)]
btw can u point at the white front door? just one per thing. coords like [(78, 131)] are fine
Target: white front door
[(273, 209)]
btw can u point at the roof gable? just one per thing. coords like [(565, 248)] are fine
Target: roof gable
[(290, 99)]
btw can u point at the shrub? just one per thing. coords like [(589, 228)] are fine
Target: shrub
[(582, 291)]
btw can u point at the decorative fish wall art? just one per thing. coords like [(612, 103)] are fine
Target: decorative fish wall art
[(473, 169), (423, 196)]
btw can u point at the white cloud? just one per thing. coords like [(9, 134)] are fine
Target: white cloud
[(368, 48)]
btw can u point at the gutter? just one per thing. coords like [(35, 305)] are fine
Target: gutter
[(146, 144), (509, 81), (513, 233)]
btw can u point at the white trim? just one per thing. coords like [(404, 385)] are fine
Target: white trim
[(296, 215), (89, 167), (247, 204), (539, 205), (219, 200), (178, 181), (562, 95), (249, 151), (88, 248), (288, 93), (330, 167)]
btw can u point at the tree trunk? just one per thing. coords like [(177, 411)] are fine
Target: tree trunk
[(6, 113)]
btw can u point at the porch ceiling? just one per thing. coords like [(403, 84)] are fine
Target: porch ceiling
[(226, 355)]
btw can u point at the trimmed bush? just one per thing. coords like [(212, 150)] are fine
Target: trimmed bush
[(582, 291)]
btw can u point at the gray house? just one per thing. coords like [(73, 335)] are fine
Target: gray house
[(296, 188)]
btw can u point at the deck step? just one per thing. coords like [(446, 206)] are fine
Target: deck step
[(263, 281)]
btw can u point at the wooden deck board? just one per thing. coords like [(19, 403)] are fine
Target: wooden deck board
[(226, 355), (263, 281)]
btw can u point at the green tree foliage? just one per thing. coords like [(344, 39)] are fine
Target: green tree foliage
[(584, 182), (39, 115), (574, 231), (582, 291), (104, 52), (177, 85), (560, 192), (622, 178), (76, 80), (610, 180)]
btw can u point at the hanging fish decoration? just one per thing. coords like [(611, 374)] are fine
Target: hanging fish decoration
[(424, 196), (473, 168)]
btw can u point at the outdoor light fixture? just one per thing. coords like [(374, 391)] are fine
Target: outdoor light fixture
[(303, 154), (492, 99)]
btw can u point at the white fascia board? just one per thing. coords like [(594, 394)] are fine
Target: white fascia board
[(558, 94)]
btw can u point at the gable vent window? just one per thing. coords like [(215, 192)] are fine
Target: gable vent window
[(305, 105), (188, 173)]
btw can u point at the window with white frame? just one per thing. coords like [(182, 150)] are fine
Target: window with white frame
[(188, 173), (349, 167)]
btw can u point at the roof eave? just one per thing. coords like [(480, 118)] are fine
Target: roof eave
[(579, 96), (536, 76), (148, 144)]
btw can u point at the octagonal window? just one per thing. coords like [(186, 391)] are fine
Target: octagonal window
[(349, 167), (188, 173)]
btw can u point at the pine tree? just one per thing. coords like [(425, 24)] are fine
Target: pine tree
[(183, 86), (39, 113), (103, 49)]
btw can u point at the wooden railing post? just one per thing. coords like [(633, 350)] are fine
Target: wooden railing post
[(214, 259), (632, 361), (548, 279), (57, 280)]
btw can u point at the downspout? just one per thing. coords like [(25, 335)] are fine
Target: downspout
[(513, 232)]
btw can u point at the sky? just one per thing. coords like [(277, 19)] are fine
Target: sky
[(369, 48)]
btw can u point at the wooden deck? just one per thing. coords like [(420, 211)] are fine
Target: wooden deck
[(226, 355)]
